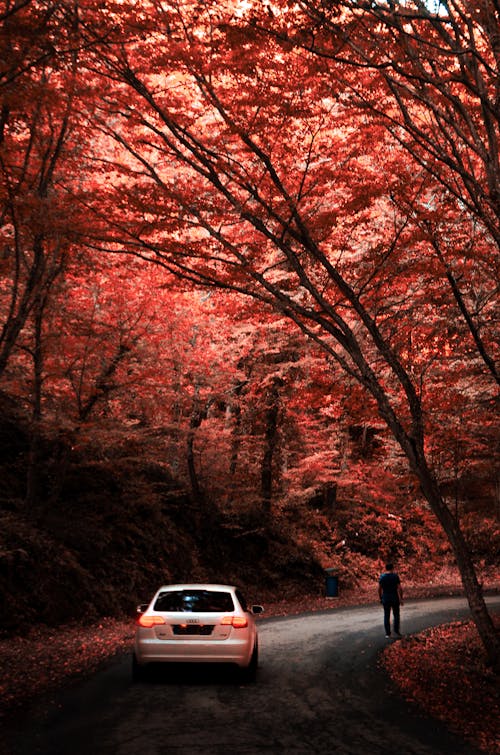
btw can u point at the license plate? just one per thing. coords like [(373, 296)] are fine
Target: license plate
[(193, 629)]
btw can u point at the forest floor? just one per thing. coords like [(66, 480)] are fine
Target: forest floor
[(443, 670)]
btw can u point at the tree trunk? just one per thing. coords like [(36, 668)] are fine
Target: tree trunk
[(33, 471), (270, 443), (193, 477), (235, 439), (197, 416), (473, 590)]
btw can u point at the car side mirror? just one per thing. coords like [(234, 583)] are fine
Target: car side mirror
[(143, 607), (257, 609)]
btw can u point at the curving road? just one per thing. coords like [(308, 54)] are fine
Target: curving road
[(319, 690)]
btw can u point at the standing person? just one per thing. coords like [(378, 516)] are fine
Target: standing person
[(390, 593)]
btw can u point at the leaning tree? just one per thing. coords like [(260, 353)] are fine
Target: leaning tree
[(269, 151)]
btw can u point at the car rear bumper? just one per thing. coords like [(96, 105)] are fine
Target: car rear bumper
[(233, 650)]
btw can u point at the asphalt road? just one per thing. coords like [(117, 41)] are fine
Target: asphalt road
[(318, 690)]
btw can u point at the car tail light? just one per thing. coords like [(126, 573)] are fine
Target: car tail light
[(150, 621), (239, 622)]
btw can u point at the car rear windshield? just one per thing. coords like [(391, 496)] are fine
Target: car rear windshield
[(194, 601)]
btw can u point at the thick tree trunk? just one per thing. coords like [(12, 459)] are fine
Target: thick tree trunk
[(473, 590)]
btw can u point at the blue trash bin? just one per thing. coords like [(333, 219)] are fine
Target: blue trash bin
[(332, 583)]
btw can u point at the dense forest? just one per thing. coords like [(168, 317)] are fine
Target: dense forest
[(110, 523), (248, 296)]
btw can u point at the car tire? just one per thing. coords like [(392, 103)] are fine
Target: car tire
[(138, 671), (249, 674)]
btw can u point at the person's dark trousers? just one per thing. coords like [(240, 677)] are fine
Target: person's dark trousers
[(387, 616)]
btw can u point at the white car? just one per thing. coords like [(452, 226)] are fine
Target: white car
[(197, 623)]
